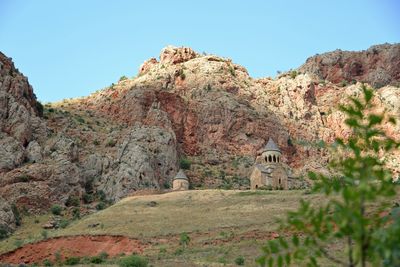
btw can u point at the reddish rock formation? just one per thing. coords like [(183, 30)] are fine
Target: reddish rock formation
[(377, 66)]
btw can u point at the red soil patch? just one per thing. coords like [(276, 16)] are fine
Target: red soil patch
[(72, 246)]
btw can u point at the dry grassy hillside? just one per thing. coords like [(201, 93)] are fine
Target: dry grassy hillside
[(221, 224)]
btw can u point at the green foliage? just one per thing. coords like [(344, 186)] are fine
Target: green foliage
[(232, 70), (72, 201), (18, 243), (111, 143), (44, 234), (239, 261), (185, 164), (343, 83), (72, 261), (56, 209), (181, 74), (101, 205), (64, 223), (96, 260), (87, 198), (96, 142), (47, 262), (101, 195), (76, 213), (3, 232), (58, 258), (133, 261), (358, 213), (80, 119), (293, 74), (23, 178), (103, 255), (17, 214), (184, 239), (123, 78), (39, 108)]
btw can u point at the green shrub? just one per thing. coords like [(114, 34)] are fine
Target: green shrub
[(293, 74), (56, 209), (3, 232), (178, 251), (101, 195), (133, 261), (96, 142), (111, 143), (123, 78), (96, 260), (101, 205), (181, 74), (18, 243), (232, 70), (72, 261), (73, 201), (64, 223), (184, 239), (23, 178), (76, 213), (185, 164), (17, 215), (103, 255), (39, 108), (44, 234), (239, 261), (87, 198), (47, 262), (80, 119), (166, 185)]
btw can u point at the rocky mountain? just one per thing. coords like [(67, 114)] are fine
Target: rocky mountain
[(132, 135)]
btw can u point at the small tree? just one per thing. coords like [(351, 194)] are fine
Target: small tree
[(358, 212), (56, 209), (185, 164), (184, 240)]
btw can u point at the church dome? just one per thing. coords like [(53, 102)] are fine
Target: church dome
[(271, 146)]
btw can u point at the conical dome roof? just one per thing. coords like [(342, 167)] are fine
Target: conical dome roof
[(271, 146), (181, 175)]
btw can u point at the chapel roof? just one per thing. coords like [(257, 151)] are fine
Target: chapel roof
[(181, 175)]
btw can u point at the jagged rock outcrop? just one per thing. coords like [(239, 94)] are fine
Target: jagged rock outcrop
[(7, 219), (147, 158), (377, 66)]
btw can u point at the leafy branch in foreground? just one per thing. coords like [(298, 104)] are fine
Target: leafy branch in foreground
[(358, 213)]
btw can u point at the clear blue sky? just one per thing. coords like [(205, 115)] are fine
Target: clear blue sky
[(71, 48)]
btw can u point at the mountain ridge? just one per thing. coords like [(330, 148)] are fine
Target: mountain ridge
[(132, 135)]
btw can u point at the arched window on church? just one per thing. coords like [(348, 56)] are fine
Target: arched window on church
[(269, 158), (274, 158), (279, 181)]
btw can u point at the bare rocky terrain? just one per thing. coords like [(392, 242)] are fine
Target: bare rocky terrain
[(131, 135)]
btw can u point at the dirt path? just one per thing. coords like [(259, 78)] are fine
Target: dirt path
[(77, 246)]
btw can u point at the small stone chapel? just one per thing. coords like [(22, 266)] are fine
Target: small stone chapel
[(268, 171), (180, 181)]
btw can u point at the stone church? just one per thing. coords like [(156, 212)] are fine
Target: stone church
[(268, 171), (180, 182)]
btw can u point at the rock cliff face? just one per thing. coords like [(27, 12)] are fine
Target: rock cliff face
[(130, 136), (377, 66)]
